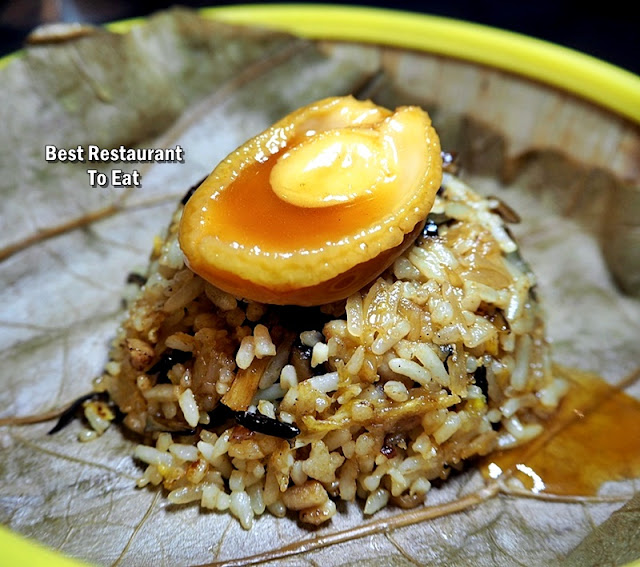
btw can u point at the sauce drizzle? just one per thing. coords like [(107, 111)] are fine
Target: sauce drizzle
[(594, 437)]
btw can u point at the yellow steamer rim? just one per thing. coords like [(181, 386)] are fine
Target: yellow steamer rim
[(589, 78)]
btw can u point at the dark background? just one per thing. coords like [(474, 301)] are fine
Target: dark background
[(604, 29)]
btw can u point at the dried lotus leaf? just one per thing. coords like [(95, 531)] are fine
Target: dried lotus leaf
[(61, 295)]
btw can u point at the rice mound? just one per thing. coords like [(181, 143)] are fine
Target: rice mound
[(249, 407)]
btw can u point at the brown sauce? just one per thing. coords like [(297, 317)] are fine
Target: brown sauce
[(249, 201), (593, 438)]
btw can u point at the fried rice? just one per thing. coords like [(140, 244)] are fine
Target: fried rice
[(248, 407)]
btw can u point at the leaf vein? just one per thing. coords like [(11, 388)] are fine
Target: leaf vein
[(137, 529)]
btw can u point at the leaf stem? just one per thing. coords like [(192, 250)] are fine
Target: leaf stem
[(47, 233), (382, 525), (563, 498), (35, 418), (43, 416)]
